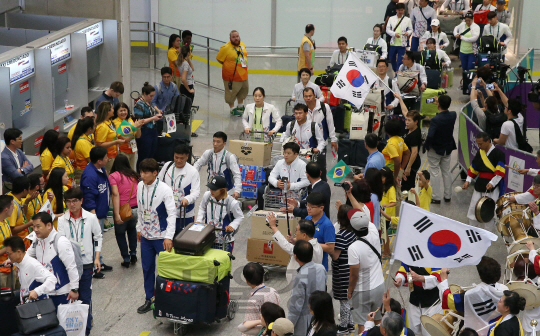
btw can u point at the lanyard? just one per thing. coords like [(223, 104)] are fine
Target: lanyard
[(172, 179), (347, 55), (221, 163), (498, 30), (152, 198), (376, 42), (20, 209), (2, 230), (239, 51), (220, 213), (35, 204), (68, 165), (76, 231), (257, 291), (255, 115)]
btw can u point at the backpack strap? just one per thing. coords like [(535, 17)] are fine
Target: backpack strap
[(55, 243), (169, 166), (323, 109), (292, 126), (372, 248), (313, 132)]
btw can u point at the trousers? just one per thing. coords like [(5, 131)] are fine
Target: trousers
[(85, 294), (149, 251), (415, 43), (439, 165), (467, 61), (147, 144), (120, 230), (395, 54)]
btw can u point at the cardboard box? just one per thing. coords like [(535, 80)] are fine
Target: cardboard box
[(251, 153), (261, 230), (267, 252)]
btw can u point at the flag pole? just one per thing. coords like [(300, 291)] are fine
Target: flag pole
[(376, 75), (392, 258)]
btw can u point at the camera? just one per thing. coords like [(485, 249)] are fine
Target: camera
[(490, 86), (430, 100), (346, 186)]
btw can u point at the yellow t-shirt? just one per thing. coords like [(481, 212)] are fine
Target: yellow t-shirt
[(17, 217), (105, 133), (72, 130), (82, 151), (397, 40), (233, 57), (172, 55), (394, 148), (64, 162), (425, 198), (5, 231), (53, 205), (46, 159), (34, 206), (387, 198), (394, 220)]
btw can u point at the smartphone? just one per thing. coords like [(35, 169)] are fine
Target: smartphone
[(430, 100), (490, 86)]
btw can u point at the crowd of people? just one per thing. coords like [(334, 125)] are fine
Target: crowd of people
[(106, 161)]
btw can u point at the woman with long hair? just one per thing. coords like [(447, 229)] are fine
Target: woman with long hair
[(57, 185), (81, 144), (144, 111), (322, 309), (260, 115), (374, 179), (47, 151), (270, 312), (105, 134), (124, 180), (63, 149), (128, 148), (186, 72), (340, 267), (172, 55)]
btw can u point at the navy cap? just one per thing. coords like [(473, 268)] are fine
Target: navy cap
[(217, 182)]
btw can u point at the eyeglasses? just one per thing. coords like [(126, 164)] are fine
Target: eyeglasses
[(72, 201)]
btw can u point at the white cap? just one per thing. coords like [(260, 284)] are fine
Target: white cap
[(435, 22), (359, 220)]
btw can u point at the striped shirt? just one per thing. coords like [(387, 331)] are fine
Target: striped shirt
[(340, 267)]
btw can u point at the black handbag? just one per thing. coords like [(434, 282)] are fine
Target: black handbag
[(36, 316)]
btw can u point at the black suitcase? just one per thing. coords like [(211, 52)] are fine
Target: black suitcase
[(194, 239), (166, 146), (192, 302), (468, 77), (9, 299), (352, 152), (338, 112), (56, 331), (286, 119), (433, 79)]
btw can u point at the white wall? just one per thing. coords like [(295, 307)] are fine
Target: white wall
[(530, 36)]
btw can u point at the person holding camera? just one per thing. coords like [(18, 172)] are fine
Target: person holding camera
[(288, 174), (233, 56)]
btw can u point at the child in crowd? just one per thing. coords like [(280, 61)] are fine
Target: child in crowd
[(424, 199), (388, 201)]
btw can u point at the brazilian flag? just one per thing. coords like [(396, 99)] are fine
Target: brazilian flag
[(339, 171), (126, 129)]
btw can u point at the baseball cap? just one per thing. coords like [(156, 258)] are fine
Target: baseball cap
[(217, 182), (359, 220), (501, 2), (469, 15), (435, 22), (282, 327)]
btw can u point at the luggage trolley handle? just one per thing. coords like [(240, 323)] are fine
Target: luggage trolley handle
[(265, 135), (11, 290), (227, 239)]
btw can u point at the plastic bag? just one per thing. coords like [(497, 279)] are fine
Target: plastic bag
[(73, 317)]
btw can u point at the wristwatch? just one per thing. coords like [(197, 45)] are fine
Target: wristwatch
[(76, 291)]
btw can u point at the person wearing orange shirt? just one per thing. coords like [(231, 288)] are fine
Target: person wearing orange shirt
[(6, 208), (17, 218), (35, 198), (129, 148), (105, 133), (81, 144), (233, 56), (47, 151), (63, 148)]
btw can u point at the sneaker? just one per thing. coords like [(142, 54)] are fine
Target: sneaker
[(125, 264), (133, 259), (237, 112), (106, 268), (342, 330), (145, 308), (435, 201), (352, 327), (98, 275)]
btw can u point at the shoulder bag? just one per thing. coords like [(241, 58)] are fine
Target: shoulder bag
[(125, 209)]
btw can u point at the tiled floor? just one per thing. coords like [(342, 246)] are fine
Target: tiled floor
[(117, 297)]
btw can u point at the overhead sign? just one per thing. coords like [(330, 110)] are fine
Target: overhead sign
[(94, 35), (60, 49), (20, 67)]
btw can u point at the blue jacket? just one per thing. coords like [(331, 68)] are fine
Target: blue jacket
[(9, 165), (113, 100), (95, 187), (440, 136), (164, 95)]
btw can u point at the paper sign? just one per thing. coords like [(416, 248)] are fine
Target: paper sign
[(171, 123), (23, 87), (62, 68), (27, 107), (515, 179), (60, 49), (94, 35), (37, 141), (197, 227), (20, 67)]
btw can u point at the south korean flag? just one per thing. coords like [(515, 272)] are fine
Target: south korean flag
[(353, 81), (425, 239), (47, 207)]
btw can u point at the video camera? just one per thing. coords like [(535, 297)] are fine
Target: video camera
[(534, 95)]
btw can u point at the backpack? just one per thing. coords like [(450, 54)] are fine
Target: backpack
[(494, 122), (520, 139), (489, 44), (373, 47), (181, 107), (76, 251), (430, 59), (312, 128)]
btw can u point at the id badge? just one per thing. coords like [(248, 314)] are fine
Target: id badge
[(146, 216), (133, 145), (176, 198), (243, 62), (257, 135), (82, 250)]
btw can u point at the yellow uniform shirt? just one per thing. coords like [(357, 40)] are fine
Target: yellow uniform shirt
[(394, 148), (425, 198), (5, 231), (72, 130), (46, 159), (301, 55), (233, 57), (82, 151), (34, 206), (172, 55), (18, 217), (53, 205), (64, 162), (105, 132), (387, 198)]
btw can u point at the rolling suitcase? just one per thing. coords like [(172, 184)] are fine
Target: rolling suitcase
[(195, 239), (433, 79), (338, 113), (57, 331), (9, 299), (213, 266), (192, 302)]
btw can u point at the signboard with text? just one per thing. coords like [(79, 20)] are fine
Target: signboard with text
[(20, 67), (94, 35), (60, 49)]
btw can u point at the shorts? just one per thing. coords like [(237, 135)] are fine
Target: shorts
[(365, 302), (239, 91)]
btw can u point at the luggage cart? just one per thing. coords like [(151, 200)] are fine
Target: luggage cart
[(180, 327)]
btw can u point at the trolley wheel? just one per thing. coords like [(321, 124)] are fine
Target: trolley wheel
[(232, 309), (180, 329), (266, 275)]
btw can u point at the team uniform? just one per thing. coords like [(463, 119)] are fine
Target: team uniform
[(223, 163), (489, 167), (441, 40), (304, 135)]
